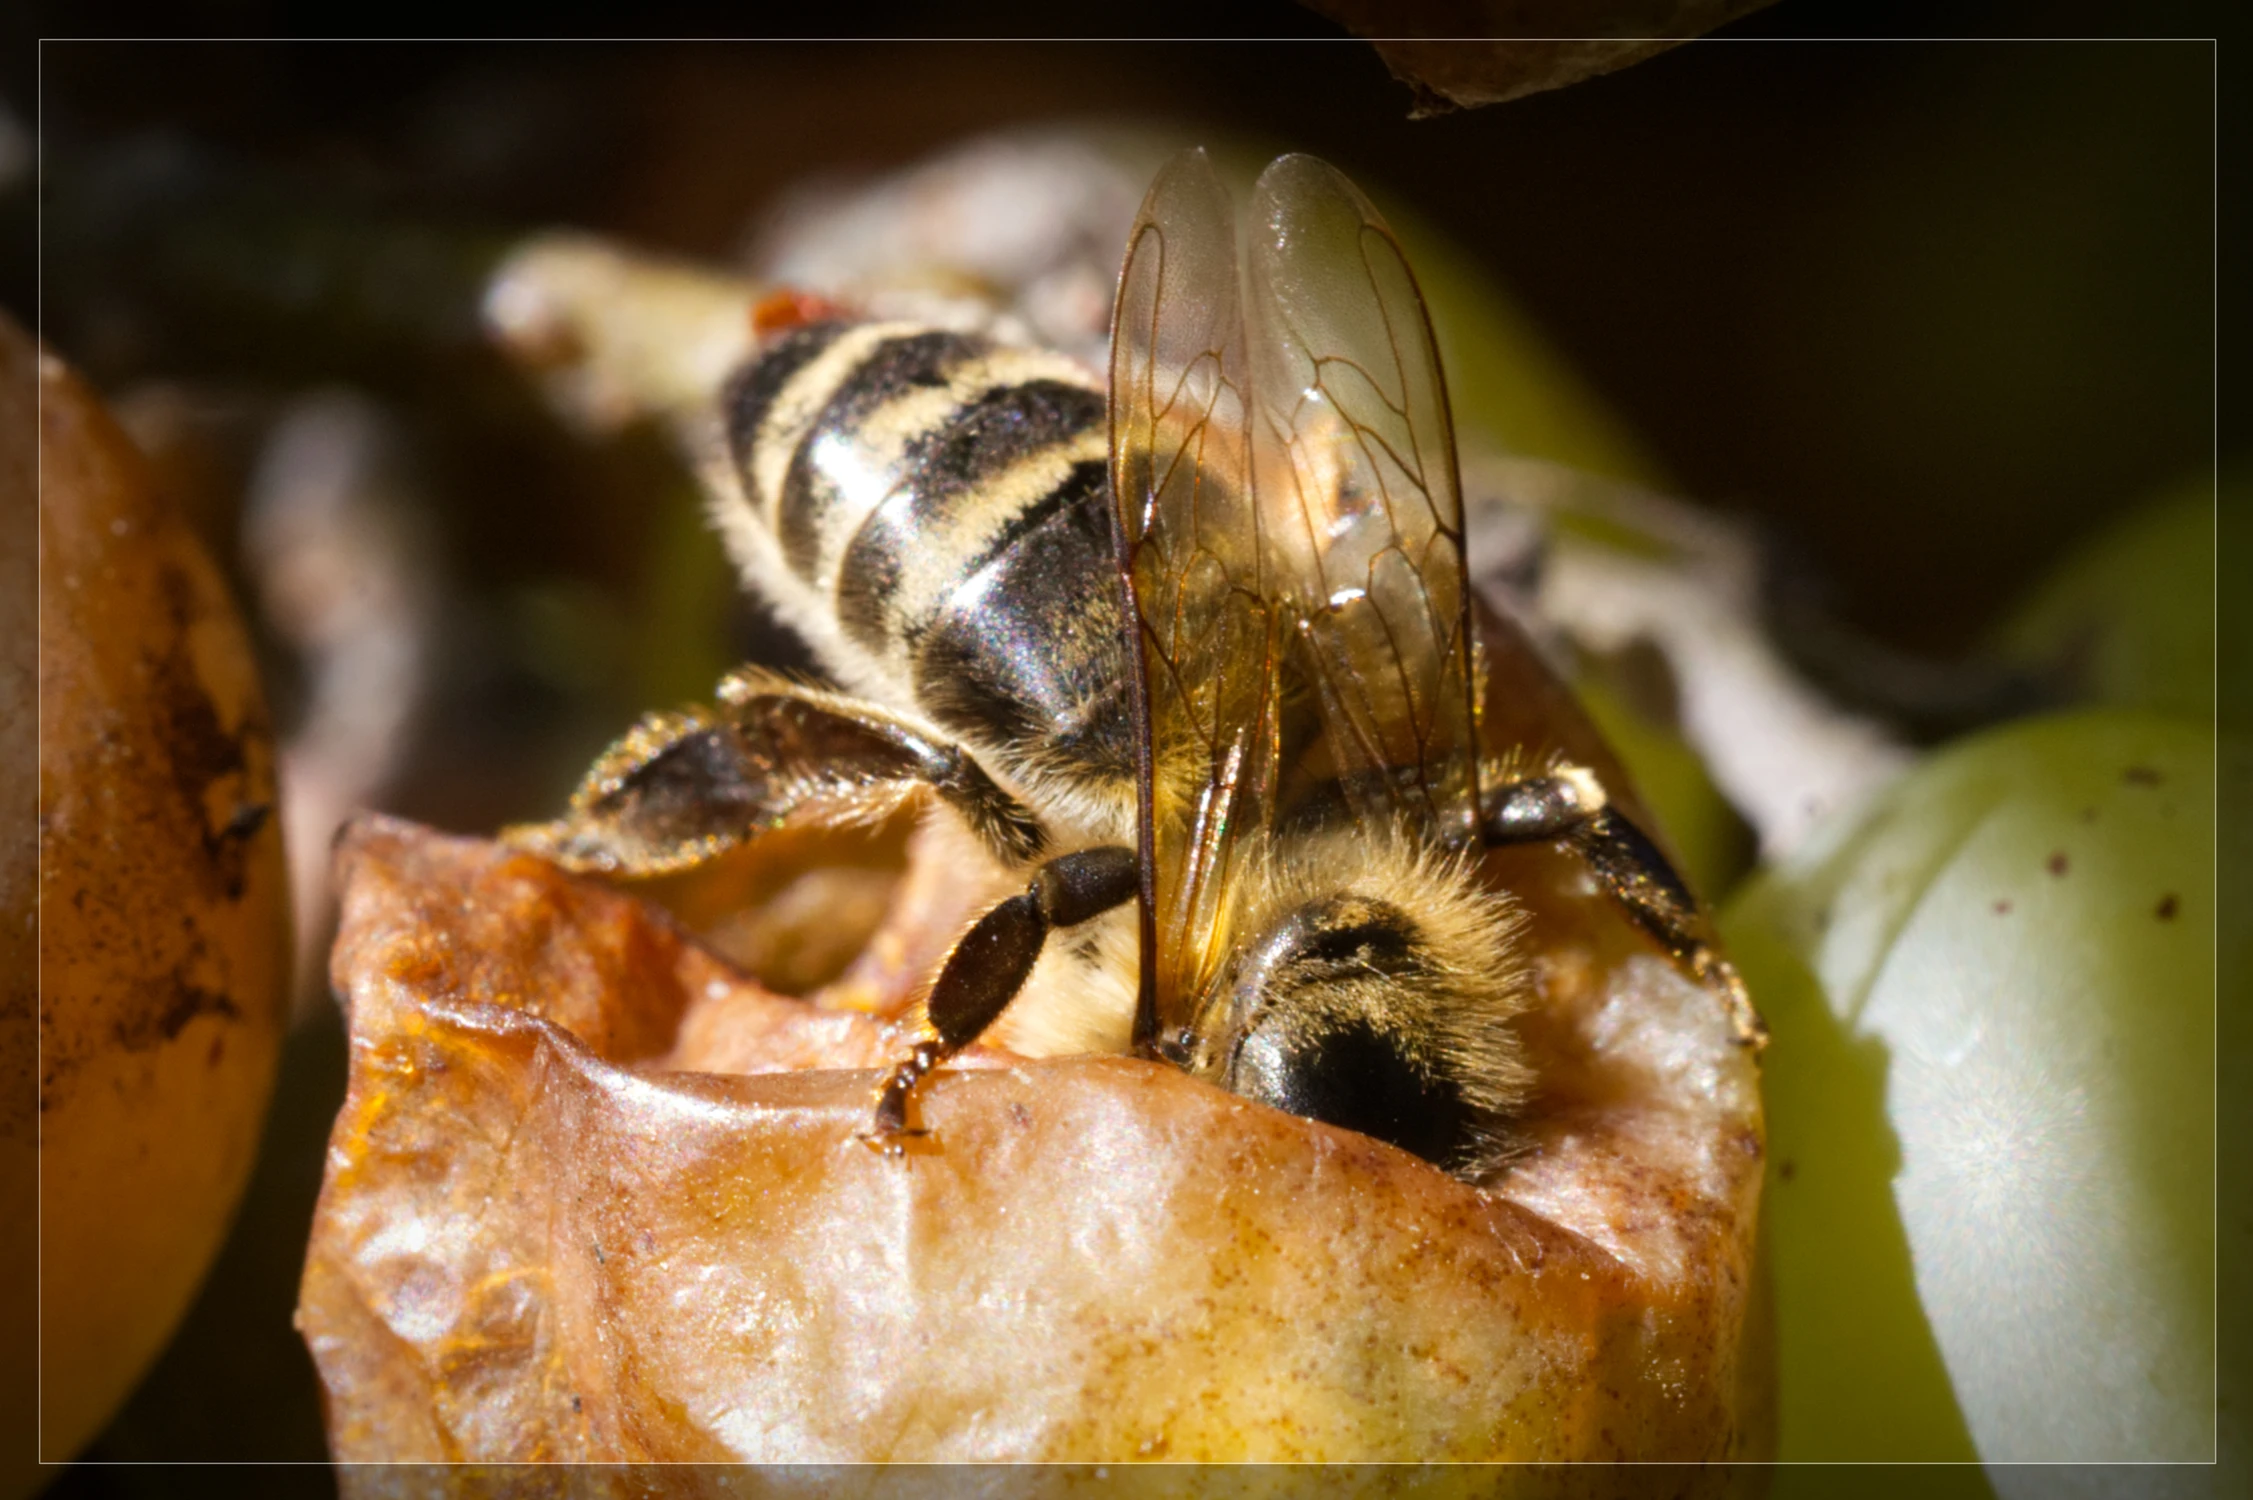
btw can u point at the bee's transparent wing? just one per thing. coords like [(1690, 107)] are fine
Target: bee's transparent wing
[(1206, 634), (1360, 508)]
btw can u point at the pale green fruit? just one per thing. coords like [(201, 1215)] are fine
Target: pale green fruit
[(2129, 618), (1991, 1109)]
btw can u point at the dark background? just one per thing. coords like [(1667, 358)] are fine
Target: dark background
[(1931, 311)]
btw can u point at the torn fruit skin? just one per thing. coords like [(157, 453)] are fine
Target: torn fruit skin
[(553, 1229)]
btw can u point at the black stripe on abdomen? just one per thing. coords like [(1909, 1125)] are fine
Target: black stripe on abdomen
[(1027, 651), (958, 505), (751, 393), (810, 488)]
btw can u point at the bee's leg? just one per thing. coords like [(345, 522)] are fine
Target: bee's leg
[(683, 788), (1568, 803), (987, 968)]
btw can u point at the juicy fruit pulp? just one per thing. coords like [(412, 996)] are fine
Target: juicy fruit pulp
[(679, 1251)]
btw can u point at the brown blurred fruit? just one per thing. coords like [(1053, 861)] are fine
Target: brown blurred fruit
[(163, 917), (19, 866), (1457, 54)]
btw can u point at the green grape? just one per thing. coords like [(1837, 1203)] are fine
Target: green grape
[(2234, 1076), (1991, 1109), (2130, 616)]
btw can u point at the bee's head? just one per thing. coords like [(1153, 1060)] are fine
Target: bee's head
[(1381, 1003)]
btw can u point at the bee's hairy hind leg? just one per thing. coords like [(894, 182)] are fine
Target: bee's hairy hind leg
[(990, 964), (684, 787), (1569, 803)]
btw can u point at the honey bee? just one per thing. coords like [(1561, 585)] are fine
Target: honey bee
[(1191, 652)]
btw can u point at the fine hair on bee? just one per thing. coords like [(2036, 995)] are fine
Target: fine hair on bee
[(1185, 658), (1380, 998)]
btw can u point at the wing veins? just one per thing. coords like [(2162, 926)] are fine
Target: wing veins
[(1239, 512)]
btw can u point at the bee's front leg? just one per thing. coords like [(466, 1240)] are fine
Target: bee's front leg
[(989, 966), (1569, 803)]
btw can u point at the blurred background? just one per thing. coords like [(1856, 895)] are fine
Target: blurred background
[(1926, 314)]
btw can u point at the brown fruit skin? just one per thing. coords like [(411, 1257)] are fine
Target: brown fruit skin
[(163, 917), (19, 865), (595, 1197)]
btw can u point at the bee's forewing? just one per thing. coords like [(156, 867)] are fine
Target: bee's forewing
[(1360, 503), (1285, 479), (1206, 635)]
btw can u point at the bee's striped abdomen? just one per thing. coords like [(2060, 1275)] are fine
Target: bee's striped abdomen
[(942, 503)]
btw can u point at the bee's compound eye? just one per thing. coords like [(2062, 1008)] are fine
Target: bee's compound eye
[(1354, 1075)]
